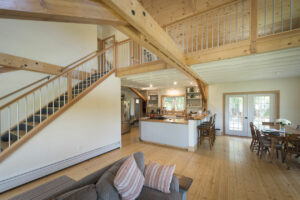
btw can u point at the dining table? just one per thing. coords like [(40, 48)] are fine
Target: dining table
[(276, 133)]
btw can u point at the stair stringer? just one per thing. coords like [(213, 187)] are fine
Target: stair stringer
[(87, 128)]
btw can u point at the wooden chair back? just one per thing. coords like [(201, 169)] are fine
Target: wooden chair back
[(293, 144), (268, 123), (298, 127), (253, 129)]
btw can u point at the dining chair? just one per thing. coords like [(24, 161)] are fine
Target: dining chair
[(292, 147), (268, 123), (265, 146), (210, 135), (254, 142)]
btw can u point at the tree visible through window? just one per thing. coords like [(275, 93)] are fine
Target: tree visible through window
[(173, 104)]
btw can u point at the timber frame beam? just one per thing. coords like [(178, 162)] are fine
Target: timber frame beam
[(134, 90), (147, 32), (87, 11), (20, 63)]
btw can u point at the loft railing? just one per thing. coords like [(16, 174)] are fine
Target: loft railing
[(224, 25), (230, 23), (24, 113), (131, 53), (276, 16)]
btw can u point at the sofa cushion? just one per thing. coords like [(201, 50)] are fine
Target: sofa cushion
[(150, 194), (87, 192), (105, 185), (129, 180), (159, 176)]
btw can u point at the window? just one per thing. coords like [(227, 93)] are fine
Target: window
[(173, 104)]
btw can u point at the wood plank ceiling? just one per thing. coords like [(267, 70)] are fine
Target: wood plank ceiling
[(277, 64)]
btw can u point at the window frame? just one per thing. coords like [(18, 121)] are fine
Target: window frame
[(173, 109)]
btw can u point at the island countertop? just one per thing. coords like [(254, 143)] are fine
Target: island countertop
[(172, 121)]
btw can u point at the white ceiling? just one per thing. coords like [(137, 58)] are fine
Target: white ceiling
[(277, 64)]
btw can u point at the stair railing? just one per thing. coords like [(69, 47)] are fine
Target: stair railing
[(132, 53), (24, 113)]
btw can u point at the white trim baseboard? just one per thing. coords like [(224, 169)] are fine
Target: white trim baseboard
[(26, 177)]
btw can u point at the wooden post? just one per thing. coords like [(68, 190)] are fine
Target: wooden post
[(253, 26), (69, 79), (116, 58)]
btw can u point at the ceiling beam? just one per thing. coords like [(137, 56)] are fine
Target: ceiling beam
[(149, 34), (20, 63), (142, 68), (138, 93), (79, 11), (6, 69)]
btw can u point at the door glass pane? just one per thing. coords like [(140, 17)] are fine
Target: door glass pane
[(179, 103), (261, 110), (168, 103), (236, 113)]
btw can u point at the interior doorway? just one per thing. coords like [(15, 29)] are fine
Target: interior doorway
[(242, 108)]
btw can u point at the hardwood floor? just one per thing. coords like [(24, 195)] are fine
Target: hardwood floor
[(229, 171)]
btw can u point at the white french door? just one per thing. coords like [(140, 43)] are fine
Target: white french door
[(240, 110)]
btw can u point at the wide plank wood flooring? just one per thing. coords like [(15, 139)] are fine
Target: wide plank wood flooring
[(230, 171)]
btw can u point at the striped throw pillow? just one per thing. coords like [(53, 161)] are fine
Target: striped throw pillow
[(159, 177), (129, 180)]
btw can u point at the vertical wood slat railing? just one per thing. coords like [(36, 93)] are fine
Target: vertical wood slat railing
[(132, 53), (231, 23), (21, 115)]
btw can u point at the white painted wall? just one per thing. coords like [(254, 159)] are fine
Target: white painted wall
[(289, 96), (93, 122), (51, 42), (105, 31)]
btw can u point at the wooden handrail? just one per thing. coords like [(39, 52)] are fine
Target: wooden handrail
[(124, 41), (23, 88), (56, 77), (64, 68)]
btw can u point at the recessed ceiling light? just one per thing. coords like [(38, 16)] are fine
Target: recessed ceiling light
[(151, 85), (191, 83), (175, 83)]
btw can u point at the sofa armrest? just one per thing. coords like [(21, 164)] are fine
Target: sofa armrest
[(174, 186)]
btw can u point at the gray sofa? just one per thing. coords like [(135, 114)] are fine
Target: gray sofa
[(99, 185)]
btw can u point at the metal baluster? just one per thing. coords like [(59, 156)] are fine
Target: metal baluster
[(26, 114), (40, 105), (91, 75), (224, 29), (183, 36), (53, 97), (197, 33), (218, 27), (236, 23), (192, 20), (266, 9), (9, 124), (273, 23), (187, 42), (206, 31), (212, 30), (18, 128), (33, 110), (291, 15), (47, 100), (282, 14), (243, 20), (229, 24), (202, 32)]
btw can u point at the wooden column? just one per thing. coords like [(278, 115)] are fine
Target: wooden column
[(69, 78), (253, 26), (116, 57)]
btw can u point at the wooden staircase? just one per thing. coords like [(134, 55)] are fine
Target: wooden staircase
[(65, 89)]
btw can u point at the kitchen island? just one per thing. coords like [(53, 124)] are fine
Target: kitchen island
[(181, 133)]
